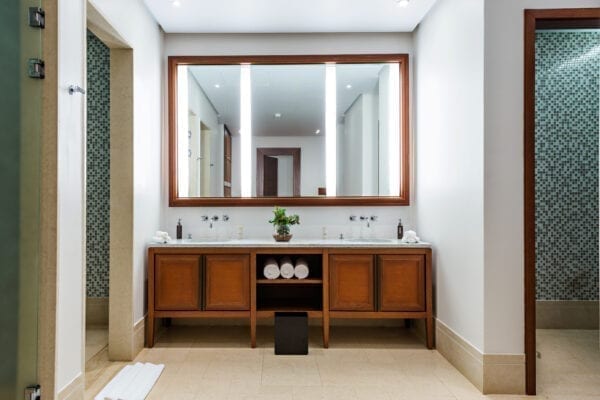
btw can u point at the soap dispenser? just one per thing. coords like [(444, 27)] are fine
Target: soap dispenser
[(400, 229), (179, 229)]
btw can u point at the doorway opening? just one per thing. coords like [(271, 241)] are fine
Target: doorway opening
[(562, 61), (278, 171)]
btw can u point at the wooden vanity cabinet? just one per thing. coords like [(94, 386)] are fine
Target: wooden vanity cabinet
[(351, 284), (401, 282), (345, 282), (177, 282), (226, 282)]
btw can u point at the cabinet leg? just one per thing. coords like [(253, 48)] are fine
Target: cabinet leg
[(326, 335), (150, 332), (429, 332), (253, 335)]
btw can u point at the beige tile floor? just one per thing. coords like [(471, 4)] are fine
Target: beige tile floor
[(362, 363), (96, 339)]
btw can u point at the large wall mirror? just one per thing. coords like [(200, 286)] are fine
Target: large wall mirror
[(288, 130)]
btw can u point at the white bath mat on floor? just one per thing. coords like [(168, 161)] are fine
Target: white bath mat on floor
[(133, 382)]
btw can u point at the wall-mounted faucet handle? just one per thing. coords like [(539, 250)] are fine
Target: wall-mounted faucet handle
[(225, 217), (352, 218), (374, 217), (204, 218)]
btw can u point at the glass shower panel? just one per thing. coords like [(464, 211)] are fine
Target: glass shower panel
[(20, 118)]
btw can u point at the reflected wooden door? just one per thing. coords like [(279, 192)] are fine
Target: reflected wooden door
[(270, 176)]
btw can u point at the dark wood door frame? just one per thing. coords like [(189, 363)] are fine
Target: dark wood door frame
[(261, 152), (567, 18)]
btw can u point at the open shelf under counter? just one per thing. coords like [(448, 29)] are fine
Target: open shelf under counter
[(271, 313), (289, 281)]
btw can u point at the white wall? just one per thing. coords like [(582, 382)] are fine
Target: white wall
[(504, 321), (71, 195), (137, 27), (204, 113), (254, 219), (449, 159)]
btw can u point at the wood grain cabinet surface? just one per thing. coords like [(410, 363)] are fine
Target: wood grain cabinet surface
[(177, 282), (344, 283), (227, 282), (351, 283), (401, 282)]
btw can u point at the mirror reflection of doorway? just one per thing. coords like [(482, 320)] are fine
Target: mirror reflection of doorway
[(278, 172)]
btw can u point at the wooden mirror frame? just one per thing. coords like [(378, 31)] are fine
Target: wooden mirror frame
[(402, 200)]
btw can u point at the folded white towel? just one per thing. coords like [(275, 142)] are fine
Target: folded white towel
[(410, 237), (271, 269), (287, 268), (301, 270)]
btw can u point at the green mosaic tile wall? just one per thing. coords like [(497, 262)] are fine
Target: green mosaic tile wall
[(98, 167), (566, 173)]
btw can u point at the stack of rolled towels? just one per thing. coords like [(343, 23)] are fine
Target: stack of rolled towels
[(285, 268), (161, 237)]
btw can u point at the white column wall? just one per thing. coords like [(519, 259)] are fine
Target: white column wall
[(449, 159), (140, 31), (70, 322)]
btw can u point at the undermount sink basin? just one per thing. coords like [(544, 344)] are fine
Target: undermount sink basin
[(371, 240)]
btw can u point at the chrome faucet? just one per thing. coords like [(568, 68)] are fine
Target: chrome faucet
[(213, 220)]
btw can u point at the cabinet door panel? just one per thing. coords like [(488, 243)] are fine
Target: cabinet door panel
[(177, 282), (351, 283), (401, 283), (227, 282)]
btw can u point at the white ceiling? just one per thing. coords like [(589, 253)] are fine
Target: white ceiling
[(297, 92), (287, 16)]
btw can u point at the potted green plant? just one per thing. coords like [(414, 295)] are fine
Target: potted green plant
[(282, 224)]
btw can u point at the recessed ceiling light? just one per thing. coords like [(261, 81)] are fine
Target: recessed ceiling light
[(176, 3), (277, 115), (317, 131), (402, 3), (217, 85), (348, 86)]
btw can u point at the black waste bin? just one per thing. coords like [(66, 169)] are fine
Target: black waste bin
[(291, 333)]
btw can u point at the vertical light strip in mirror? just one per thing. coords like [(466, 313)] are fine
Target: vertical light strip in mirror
[(330, 130), (183, 181), (394, 126), (245, 131)]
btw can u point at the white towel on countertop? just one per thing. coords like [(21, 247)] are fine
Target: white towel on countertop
[(162, 237), (410, 237), (286, 268), (271, 269), (301, 270)]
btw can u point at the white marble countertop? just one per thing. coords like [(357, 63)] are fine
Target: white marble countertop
[(350, 243)]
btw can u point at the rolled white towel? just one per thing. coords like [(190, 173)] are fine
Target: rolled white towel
[(301, 270), (271, 269), (287, 268), (161, 237)]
